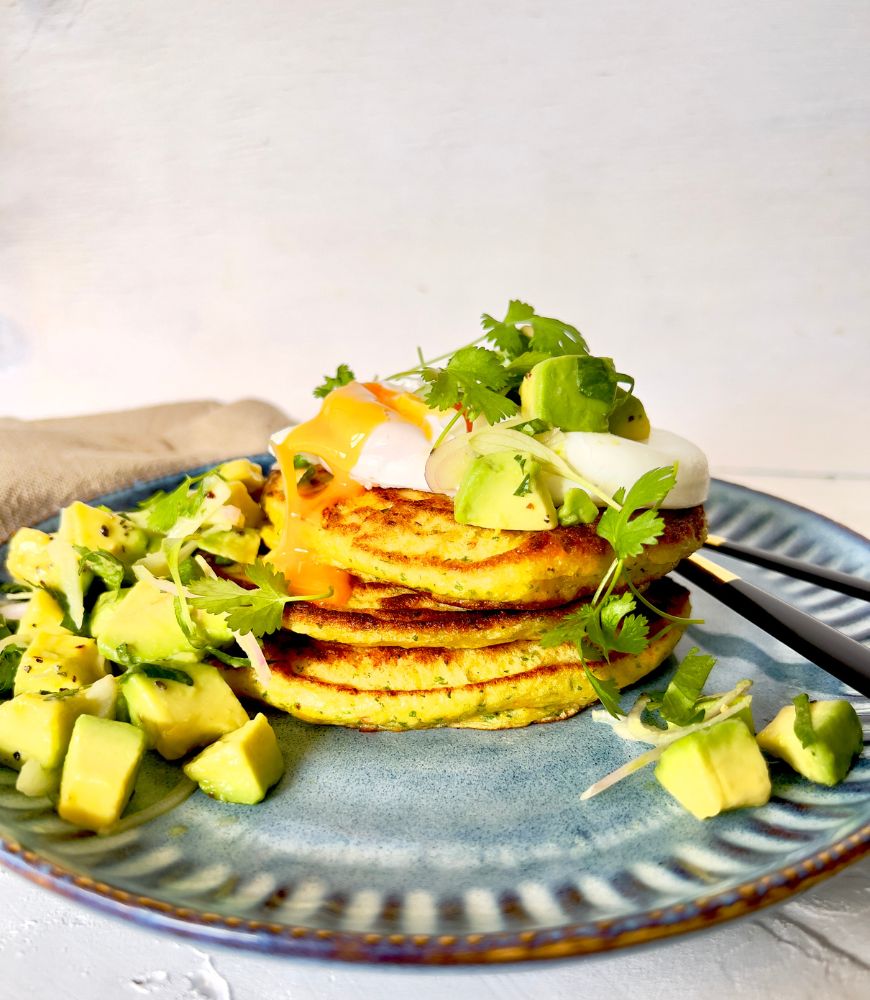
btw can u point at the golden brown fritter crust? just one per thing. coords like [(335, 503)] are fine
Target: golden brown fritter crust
[(397, 689), (410, 539)]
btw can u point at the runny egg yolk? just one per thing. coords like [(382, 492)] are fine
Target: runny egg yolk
[(336, 436)]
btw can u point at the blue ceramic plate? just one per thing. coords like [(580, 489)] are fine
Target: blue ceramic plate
[(454, 846)]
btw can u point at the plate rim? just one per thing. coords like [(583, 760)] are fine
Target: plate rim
[(570, 940)]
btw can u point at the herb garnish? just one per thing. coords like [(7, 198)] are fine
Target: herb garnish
[(679, 704), (257, 610), (803, 720), (343, 375), (103, 564), (608, 623)]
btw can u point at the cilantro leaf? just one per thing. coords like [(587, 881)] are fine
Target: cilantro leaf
[(679, 702), (343, 375), (803, 720), (572, 628), (473, 379), (553, 337), (103, 564), (597, 630), (607, 691), (629, 535), (525, 487), (539, 335), (10, 657), (163, 510), (257, 610), (612, 628), (504, 334)]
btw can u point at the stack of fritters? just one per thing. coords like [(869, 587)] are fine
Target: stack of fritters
[(444, 620)]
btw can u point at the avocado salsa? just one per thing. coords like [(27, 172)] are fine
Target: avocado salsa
[(112, 629)]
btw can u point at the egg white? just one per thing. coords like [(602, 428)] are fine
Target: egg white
[(611, 461)]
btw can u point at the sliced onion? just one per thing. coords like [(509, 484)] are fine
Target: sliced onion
[(13, 612), (182, 791), (652, 755), (495, 439), (254, 653), (447, 464)]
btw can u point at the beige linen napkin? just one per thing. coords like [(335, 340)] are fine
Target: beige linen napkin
[(45, 464)]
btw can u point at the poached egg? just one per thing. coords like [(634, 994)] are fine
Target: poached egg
[(378, 434)]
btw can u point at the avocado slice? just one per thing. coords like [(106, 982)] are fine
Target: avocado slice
[(58, 661), (100, 528), (715, 769), (838, 737), (99, 771), (572, 392), (142, 619), (505, 490), (577, 508), (244, 471), (176, 716), (240, 546), (629, 419), (42, 614), (241, 766)]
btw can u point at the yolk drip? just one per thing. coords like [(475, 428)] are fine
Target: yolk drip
[(336, 436), (408, 406)]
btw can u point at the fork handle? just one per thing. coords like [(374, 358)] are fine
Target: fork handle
[(846, 659)]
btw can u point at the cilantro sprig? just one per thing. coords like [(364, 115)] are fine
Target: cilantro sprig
[(343, 375), (609, 623), (484, 380), (473, 381), (258, 609)]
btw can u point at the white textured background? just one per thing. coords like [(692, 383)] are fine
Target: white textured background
[(214, 198), (224, 198)]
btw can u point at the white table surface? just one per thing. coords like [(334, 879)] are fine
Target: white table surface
[(814, 946)]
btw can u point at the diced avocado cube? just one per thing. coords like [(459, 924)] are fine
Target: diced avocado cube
[(142, 618), (838, 737), (715, 769), (99, 698), (58, 661), (43, 560), (240, 546), (577, 508), (241, 766), (99, 771), (629, 419), (571, 392), (251, 510), (505, 490), (36, 727), (98, 528), (35, 782), (28, 560), (244, 471), (42, 614), (177, 717)]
